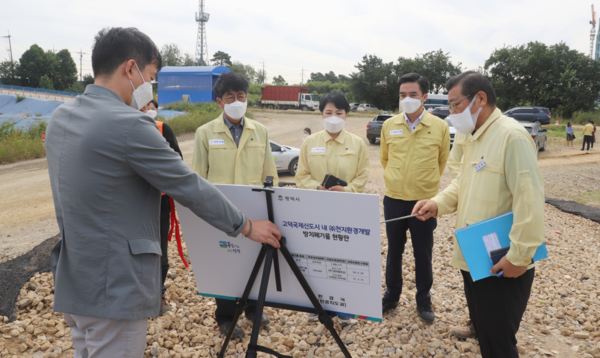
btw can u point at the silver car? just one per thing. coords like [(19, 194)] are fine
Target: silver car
[(539, 135), (286, 158)]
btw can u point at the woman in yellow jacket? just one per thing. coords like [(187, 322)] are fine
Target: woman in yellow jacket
[(333, 151), (336, 152)]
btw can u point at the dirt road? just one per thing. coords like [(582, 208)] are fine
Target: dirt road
[(27, 211)]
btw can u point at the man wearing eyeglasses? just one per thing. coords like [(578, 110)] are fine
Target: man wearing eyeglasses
[(233, 149), (414, 150), (497, 173)]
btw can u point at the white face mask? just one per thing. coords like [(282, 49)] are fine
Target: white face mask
[(465, 121), (141, 95), (236, 110), (305, 135), (334, 124), (152, 113), (410, 105)]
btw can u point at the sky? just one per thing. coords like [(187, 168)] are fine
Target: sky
[(310, 35)]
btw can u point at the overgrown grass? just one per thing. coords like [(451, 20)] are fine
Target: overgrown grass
[(20, 98), (198, 114), (18, 144), (580, 117)]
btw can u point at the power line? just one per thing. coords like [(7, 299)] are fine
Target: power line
[(81, 64)]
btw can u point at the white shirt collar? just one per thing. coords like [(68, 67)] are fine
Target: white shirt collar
[(412, 126)]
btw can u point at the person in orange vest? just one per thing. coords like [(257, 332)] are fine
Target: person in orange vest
[(165, 206)]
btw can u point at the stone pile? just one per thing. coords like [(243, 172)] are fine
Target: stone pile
[(562, 319)]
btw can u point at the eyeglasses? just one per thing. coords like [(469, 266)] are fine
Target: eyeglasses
[(452, 105), (231, 98)]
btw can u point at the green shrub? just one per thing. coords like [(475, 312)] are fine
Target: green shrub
[(20, 98), (21, 144), (197, 115), (581, 117)]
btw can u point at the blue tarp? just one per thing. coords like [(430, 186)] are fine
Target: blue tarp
[(30, 110), (41, 90)]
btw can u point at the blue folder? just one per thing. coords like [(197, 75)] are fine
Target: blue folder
[(492, 232)]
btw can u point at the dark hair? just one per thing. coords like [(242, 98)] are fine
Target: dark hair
[(473, 82), (569, 124), (339, 100), (415, 77), (590, 121), (230, 81), (154, 103), (113, 46), (308, 130)]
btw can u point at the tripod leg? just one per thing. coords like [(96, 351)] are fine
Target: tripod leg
[(260, 304), (243, 302), (323, 317)]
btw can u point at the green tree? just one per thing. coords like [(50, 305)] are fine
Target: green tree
[(35, 63), (46, 82), (247, 71), (87, 80), (9, 73), (220, 58), (261, 76), (279, 81), (435, 66), (549, 76), (171, 55), (376, 82), (188, 60), (65, 73)]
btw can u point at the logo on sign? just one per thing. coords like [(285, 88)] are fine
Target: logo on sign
[(280, 198), (318, 150), (396, 132), (229, 246), (216, 142)]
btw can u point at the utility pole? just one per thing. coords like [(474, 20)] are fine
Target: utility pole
[(81, 63), (201, 45), (303, 75), (10, 46)]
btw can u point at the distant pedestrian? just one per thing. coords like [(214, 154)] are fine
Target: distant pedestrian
[(593, 135), (570, 134), (588, 135), (307, 132)]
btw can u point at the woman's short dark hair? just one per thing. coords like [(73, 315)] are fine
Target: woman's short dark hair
[(415, 77), (113, 46), (154, 103), (568, 124), (473, 82), (230, 82), (339, 100), (308, 130)]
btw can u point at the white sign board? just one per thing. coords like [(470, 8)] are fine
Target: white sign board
[(334, 238)]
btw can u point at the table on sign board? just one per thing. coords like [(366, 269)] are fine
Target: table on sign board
[(334, 238)]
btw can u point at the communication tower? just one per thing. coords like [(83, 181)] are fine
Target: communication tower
[(201, 47), (592, 32)]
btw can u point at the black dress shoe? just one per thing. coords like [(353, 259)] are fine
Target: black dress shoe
[(224, 328), (264, 319), (388, 304), (426, 313)]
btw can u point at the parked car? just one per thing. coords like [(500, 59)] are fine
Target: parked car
[(539, 135), (441, 112), (452, 132), (354, 107), (374, 127), (285, 157), (530, 114), (366, 107)]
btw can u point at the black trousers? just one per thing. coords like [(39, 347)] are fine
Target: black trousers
[(226, 310), (165, 225), (421, 233), (589, 140), (496, 307)]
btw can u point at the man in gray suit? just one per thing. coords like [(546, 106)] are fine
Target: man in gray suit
[(108, 164)]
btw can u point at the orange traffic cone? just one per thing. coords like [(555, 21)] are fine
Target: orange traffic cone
[(557, 124)]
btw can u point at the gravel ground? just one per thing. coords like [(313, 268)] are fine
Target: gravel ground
[(562, 319)]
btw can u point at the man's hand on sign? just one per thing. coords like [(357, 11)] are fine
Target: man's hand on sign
[(337, 188), (321, 187), (510, 270), (264, 232), (425, 209)]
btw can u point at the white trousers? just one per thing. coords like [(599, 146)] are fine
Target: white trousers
[(95, 337)]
